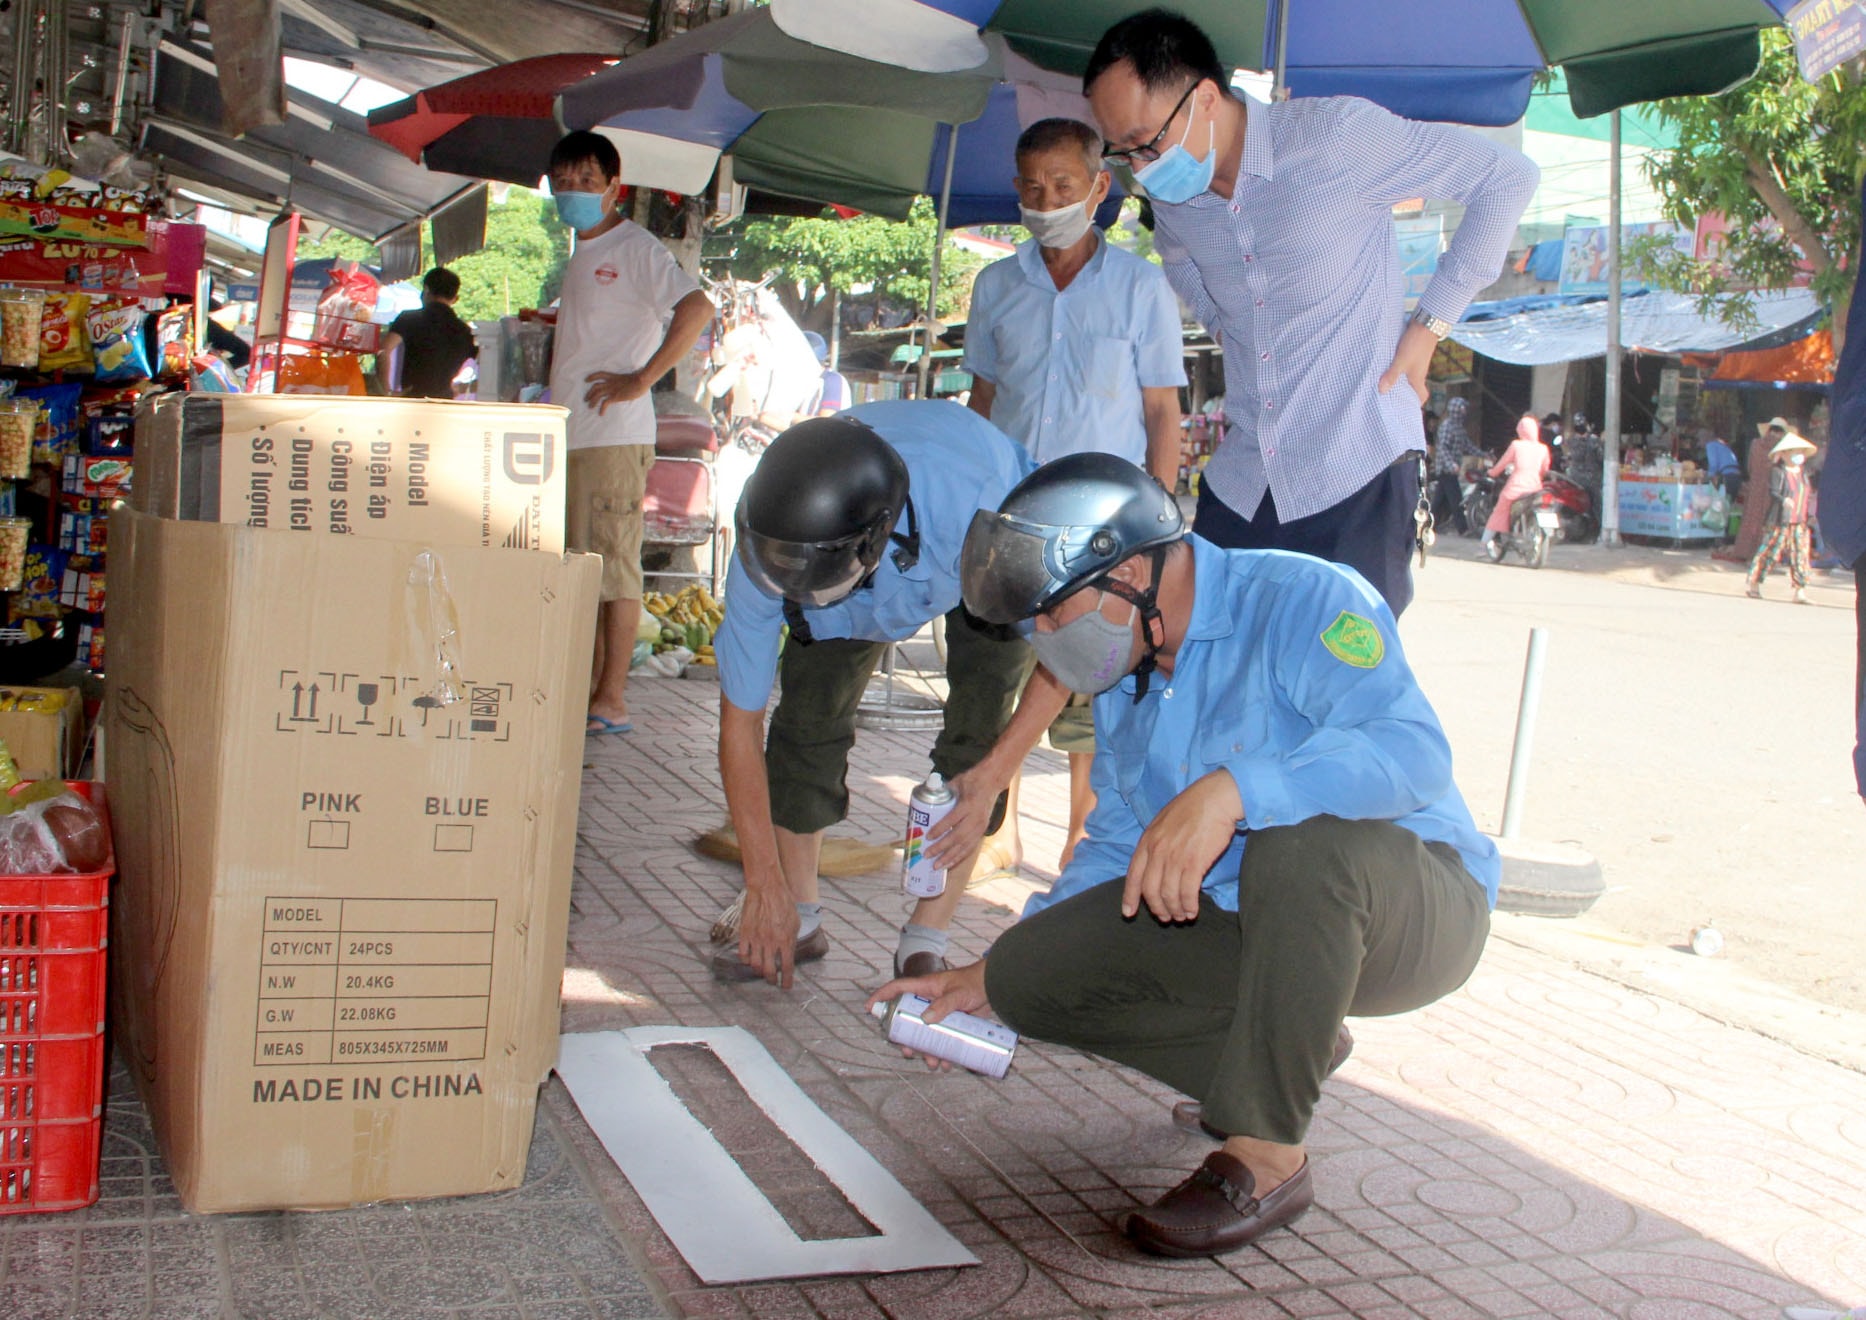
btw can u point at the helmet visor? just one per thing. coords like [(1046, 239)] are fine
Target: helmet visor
[(1003, 570), (812, 573)]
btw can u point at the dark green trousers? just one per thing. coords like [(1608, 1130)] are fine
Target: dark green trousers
[(813, 727), (1335, 918)]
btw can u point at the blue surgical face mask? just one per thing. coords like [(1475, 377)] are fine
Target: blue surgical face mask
[(580, 210), (1176, 176)]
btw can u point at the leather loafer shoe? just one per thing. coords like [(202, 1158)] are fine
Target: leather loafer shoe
[(1216, 1210), (1190, 1114), (728, 966), (919, 964)]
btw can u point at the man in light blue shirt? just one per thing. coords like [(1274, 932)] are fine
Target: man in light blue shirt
[(1276, 792), (1275, 224), (1074, 345), (849, 532)]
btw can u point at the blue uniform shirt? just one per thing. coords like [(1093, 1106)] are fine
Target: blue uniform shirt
[(957, 463), (1069, 365), (1291, 678)]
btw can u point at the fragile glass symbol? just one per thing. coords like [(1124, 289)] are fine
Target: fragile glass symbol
[(367, 695)]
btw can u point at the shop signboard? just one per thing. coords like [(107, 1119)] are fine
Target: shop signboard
[(1827, 34), (74, 224), (1584, 254), (1713, 238), (1672, 510)]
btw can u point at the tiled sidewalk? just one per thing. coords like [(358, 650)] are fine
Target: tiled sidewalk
[(1544, 1143)]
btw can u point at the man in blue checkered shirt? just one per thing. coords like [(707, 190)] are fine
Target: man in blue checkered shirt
[(1275, 224)]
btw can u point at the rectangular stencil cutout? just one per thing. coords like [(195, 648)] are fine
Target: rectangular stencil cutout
[(717, 1218)]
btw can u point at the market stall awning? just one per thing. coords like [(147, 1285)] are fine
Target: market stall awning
[(1805, 361), (321, 160), (1548, 329)]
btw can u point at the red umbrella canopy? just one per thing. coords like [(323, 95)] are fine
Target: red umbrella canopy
[(513, 103)]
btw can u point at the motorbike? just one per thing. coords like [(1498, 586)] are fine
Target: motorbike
[(1576, 519), (1574, 507), (1534, 525)]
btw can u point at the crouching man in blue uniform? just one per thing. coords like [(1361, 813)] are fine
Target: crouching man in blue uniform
[(1277, 841)]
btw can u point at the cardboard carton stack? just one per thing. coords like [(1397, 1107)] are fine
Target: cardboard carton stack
[(344, 732)]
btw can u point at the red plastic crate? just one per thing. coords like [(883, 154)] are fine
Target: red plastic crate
[(52, 960)]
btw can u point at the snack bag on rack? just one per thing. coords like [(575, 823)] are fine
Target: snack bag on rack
[(175, 341), (41, 582), (344, 309), (117, 344), (64, 342), (58, 430)]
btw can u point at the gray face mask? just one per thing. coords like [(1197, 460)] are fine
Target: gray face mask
[(1088, 655)]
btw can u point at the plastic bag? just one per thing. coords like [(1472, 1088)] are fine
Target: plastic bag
[(344, 309), (56, 835), (320, 373), (117, 344), (64, 341)]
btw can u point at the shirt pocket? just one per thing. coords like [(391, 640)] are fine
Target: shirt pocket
[(1107, 367)]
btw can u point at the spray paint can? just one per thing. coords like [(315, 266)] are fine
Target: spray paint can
[(927, 805), (971, 1042)]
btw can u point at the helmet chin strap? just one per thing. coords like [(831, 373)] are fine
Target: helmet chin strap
[(1148, 603), (907, 548)]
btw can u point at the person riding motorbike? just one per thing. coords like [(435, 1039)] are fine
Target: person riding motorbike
[(1527, 462)]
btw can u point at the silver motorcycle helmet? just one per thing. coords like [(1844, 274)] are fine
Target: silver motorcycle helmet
[(1061, 529)]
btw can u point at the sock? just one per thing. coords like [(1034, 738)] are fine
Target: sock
[(809, 917), (1489, 536), (920, 939)]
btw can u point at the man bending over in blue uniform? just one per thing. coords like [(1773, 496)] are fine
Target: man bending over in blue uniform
[(1276, 843)]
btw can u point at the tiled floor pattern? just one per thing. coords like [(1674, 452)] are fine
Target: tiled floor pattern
[(1544, 1143)]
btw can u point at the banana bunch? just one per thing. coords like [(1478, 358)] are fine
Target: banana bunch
[(688, 619)]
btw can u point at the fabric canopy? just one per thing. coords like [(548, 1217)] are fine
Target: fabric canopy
[(1806, 361), (1568, 330)]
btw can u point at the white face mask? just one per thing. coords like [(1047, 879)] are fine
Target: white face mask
[(1796, 460), (1060, 228)]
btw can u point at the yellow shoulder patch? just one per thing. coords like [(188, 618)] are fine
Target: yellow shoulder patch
[(1355, 640)]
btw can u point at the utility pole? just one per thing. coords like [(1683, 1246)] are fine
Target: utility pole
[(1610, 421)]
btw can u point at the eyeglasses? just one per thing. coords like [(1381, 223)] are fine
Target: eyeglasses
[(1128, 157)]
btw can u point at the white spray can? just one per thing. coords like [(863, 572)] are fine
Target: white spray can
[(971, 1042), (927, 805)]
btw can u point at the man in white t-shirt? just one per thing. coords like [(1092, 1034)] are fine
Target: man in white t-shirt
[(627, 315)]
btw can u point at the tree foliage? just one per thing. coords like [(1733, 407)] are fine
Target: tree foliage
[(811, 257), (1781, 158), (522, 264)]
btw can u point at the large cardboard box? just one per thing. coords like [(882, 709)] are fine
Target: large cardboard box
[(488, 474), (344, 777)]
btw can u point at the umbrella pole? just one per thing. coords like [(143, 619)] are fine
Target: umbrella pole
[(939, 242), (1610, 419), (1279, 83)]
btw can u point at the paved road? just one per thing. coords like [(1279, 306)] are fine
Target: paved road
[(1695, 741)]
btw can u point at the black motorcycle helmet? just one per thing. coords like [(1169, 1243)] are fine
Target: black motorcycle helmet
[(818, 510)]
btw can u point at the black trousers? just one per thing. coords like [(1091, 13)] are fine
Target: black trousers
[(1371, 531), (1448, 501)]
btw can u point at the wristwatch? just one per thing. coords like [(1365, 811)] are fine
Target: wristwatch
[(1438, 325)]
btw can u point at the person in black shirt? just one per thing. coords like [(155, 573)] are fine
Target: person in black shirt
[(435, 341)]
